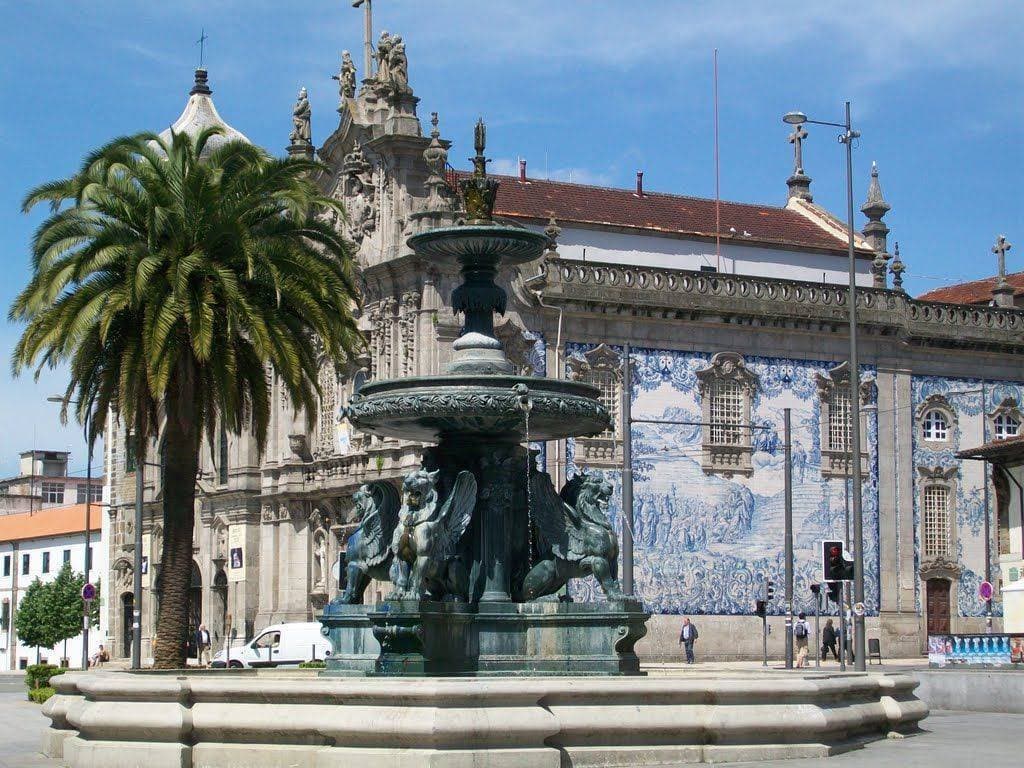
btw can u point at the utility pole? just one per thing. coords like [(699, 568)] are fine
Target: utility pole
[(140, 464), (88, 542), (627, 475), (789, 536)]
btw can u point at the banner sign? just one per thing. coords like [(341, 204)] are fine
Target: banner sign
[(236, 553), (975, 650)]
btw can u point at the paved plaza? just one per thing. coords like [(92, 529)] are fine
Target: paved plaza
[(952, 739)]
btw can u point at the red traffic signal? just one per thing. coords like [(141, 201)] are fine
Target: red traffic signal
[(834, 566)]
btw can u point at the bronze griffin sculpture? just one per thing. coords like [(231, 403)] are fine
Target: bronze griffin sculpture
[(576, 539)]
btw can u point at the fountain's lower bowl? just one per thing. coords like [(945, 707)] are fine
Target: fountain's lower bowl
[(429, 409)]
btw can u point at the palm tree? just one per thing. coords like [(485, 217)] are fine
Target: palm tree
[(167, 276)]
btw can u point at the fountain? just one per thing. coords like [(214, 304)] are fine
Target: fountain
[(481, 543), (496, 669)]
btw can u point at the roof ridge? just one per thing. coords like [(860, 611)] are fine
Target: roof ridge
[(674, 195)]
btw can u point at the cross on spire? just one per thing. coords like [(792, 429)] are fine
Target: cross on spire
[(201, 42), (1000, 248), (796, 138)]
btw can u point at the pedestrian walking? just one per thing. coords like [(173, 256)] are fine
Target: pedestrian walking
[(687, 637), (203, 645), (829, 638), (802, 634)]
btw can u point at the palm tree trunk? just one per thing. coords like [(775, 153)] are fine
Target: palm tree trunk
[(181, 461)]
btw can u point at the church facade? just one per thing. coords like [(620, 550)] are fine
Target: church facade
[(733, 313)]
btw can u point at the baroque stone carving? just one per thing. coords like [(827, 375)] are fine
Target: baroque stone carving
[(939, 567), (576, 537), (368, 553), (359, 194), (408, 314), (425, 543), (726, 443)]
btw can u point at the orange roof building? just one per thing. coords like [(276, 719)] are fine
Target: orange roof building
[(52, 521)]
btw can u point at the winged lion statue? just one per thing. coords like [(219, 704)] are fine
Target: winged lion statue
[(368, 552), (575, 537), (426, 540)]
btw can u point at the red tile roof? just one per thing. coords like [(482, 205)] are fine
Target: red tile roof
[(579, 203), (974, 292), (52, 521)]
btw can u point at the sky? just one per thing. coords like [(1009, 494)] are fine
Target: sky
[(590, 91)]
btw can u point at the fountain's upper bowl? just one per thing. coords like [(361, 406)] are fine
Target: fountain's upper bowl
[(430, 408), (490, 242)]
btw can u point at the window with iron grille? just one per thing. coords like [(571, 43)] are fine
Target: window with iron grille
[(53, 493), (935, 426), (839, 419), (936, 520), (1006, 426), (46, 562), (726, 413), (605, 381)]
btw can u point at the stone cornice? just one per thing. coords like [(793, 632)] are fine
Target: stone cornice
[(600, 287)]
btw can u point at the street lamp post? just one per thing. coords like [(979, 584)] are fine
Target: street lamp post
[(846, 138), (88, 511)]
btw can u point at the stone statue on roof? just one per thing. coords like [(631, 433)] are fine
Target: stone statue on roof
[(301, 116), (384, 57), (346, 78), (398, 68)]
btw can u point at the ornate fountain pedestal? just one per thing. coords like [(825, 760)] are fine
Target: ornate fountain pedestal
[(508, 639), (354, 649)]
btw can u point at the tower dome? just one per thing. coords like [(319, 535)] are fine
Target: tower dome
[(199, 114)]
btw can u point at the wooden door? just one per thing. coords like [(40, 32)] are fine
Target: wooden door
[(938, 606)]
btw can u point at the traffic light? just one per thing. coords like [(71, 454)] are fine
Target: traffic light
[(833, 591), (834, 566), (815, 589), (761, 608), (769, 590)]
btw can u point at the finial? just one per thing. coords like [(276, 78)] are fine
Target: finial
[(200, 85), (552, 230), (897, 269), (480, 137), (875, 206), (479, 192), (434, 133)]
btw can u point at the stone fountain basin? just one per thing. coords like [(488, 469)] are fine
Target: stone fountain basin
[(430, 408), (489, 243)]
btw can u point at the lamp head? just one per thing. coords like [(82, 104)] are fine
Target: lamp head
[(55, 399), (794, 118)]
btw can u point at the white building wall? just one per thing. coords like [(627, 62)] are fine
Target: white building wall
[(12, 651), (637, 249)]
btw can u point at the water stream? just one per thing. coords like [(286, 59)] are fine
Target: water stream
[(527, 407)]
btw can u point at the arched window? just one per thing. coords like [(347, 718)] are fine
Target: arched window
[(935, 428), (936, 520), (1005, 425)]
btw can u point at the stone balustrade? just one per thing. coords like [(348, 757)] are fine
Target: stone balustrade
[(700, 293)]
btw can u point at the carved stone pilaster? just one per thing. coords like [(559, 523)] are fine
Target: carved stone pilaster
[(408, 315)]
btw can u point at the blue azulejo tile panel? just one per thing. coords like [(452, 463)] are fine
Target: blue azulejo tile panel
[(973, 401), (706, 542)]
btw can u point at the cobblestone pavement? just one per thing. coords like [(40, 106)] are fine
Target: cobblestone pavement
[(948, 740)]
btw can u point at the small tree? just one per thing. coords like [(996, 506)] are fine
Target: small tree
[(66, 604), (34, 619)]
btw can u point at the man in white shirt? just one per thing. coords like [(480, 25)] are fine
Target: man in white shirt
[(687, 637)]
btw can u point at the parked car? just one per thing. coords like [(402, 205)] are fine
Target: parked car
[(279, 645)]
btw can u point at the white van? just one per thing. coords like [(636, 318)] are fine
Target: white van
[(279, 645)]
